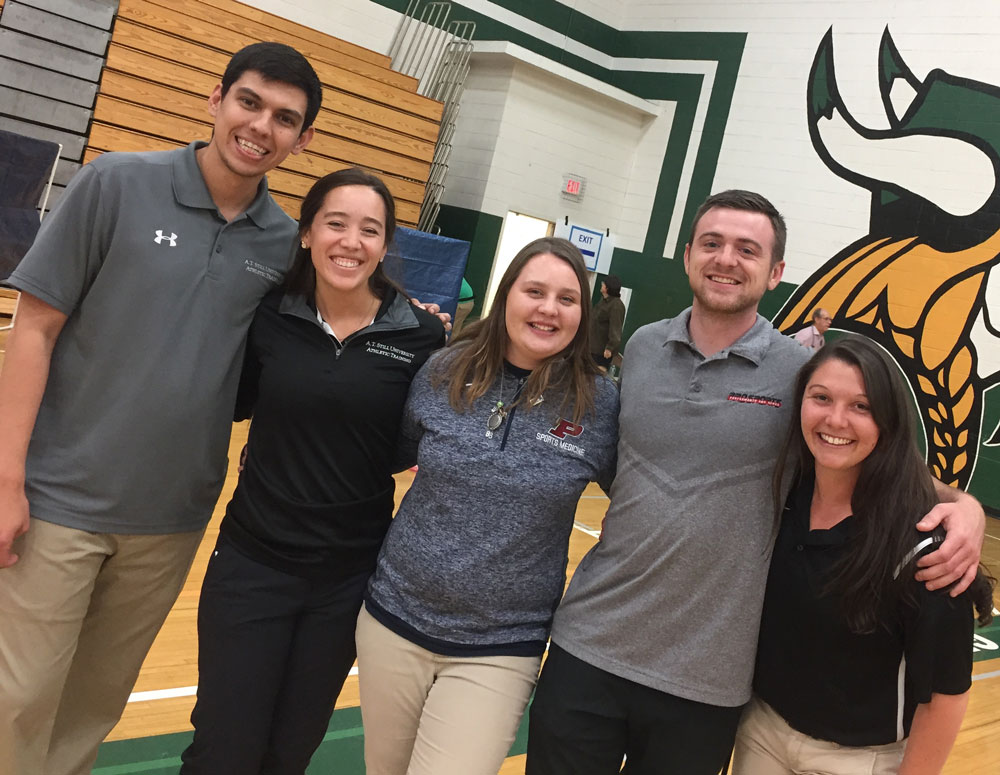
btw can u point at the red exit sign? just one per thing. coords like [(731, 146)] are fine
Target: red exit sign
[(573, 186)]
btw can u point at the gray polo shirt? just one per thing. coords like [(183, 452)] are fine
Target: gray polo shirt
[(134, 425), (671, 596)]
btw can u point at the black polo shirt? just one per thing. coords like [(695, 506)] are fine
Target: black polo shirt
[(830, 683)]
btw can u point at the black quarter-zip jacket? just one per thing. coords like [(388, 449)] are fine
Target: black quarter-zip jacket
[(316, 493)]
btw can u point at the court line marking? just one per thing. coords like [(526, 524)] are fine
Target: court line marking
[(584, 529), (190, 691), (181, 691), (982, 676)]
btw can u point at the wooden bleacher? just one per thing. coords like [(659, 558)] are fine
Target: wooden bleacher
[(8, 298), (166, 56), (8, 305)]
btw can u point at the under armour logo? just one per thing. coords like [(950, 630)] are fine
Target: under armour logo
[(160, 236)]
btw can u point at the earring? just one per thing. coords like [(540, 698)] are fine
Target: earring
[(304, 245)]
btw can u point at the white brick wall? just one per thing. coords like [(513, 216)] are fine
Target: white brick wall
[(521, 129), (547, 127), (362, 22)]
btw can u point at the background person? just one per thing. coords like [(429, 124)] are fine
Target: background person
[(329, 360), (812, 336), (606, 322), (859, 667), (466, 301), (457, 614), (122, 372)]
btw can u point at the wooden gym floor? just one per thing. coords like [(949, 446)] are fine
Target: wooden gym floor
[(164, 694), (155, 727)]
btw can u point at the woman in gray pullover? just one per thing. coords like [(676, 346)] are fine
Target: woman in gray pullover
[(508, 426)]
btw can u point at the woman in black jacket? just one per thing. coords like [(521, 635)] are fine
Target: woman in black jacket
[(328, 365)]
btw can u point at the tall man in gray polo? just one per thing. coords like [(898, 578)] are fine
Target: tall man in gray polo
[(116, 400), (653, 645)]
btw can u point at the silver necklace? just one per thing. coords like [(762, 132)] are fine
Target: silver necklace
[(500, 410)]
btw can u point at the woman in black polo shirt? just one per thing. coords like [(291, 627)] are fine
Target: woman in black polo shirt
[(859, 668)]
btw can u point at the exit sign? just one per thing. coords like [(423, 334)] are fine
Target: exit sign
[(573, 187)]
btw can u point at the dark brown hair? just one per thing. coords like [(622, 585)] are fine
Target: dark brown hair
[(477, 357), (613, 285), (277, 62), (893, 492)]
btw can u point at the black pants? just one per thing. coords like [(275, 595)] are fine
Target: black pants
[(584, 720), (274, 651)]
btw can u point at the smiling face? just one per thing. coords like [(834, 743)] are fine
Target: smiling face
[(347, 239), (257, 124), (542, 313), (836, 418), (729, 261)]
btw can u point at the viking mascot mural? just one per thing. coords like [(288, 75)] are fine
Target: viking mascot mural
[(918, 282)]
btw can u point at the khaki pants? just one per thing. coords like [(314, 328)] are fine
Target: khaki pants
[(427, 714), (767, 745), (79, 611)]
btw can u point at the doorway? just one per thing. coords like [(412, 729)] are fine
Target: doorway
[(518, 230)]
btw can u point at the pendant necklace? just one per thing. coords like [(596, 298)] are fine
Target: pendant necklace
[(500, 410)]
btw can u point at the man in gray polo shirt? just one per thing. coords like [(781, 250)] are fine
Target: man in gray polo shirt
[(121, 373), (653, 645)]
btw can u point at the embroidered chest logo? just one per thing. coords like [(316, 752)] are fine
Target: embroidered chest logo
[(161, 237), (256, 268), (565, 428), (749, 398), (388, 351), (557, 437)]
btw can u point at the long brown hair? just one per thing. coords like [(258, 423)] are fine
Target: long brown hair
[(893, 492), (476, 359)]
